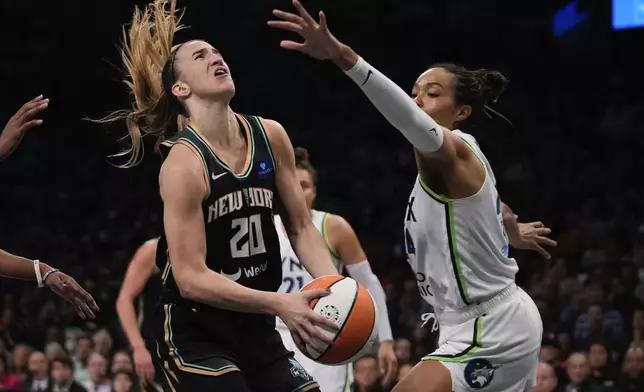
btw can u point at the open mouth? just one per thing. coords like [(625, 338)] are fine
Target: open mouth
[(221, 72)]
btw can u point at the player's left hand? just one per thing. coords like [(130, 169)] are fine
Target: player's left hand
[(387, 361), (533, 236), (67, 288)]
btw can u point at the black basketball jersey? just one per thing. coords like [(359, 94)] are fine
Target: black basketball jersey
[(147, 301), (242, 242)]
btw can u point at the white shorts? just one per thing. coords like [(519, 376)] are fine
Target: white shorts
[(495, 343), (330, 378)]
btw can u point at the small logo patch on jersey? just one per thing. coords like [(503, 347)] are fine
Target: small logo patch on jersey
[(265, 167), (298, 371), (479, 373)]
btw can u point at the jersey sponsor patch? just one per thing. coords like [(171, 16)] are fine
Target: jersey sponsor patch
[(265, 167)]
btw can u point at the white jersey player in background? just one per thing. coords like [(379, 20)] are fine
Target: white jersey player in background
[(347, 253), (455, 226)]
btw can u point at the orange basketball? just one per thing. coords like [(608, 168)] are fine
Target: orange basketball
[(352, 308)]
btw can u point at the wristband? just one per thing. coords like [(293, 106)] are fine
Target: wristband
[(38, 275), (51, 271)]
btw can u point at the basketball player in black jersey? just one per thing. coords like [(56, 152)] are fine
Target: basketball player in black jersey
[(221, 178), (17, 267), (140, 282)]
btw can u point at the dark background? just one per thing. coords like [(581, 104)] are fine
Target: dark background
[(572, 158)]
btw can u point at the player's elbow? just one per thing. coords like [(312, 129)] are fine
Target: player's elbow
[(186, 283)]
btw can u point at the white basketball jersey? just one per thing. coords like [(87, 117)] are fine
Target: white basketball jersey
[(294, 275), (458, 248)]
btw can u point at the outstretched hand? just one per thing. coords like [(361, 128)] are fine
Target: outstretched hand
[(318, 43), (67, 288), (533, 236), (21, 122)]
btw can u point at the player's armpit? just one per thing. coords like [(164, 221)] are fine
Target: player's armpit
[(306, 239)]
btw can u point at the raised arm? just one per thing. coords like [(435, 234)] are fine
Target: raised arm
[(428, 138), (306, 239), (183, 189)]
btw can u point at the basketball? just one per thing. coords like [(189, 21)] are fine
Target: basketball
[(353, 309)]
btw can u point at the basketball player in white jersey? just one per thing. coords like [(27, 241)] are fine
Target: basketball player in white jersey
[(455, 232), (347, 253)]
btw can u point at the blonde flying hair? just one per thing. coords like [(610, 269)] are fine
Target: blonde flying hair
[(146, 50)]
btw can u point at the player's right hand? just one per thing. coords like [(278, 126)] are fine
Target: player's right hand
[(318, 43), (301, 320), (143, 364), (67, 288)]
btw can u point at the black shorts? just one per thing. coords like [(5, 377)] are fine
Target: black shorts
[(193, 355)]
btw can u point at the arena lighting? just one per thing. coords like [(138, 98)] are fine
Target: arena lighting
[(628, 14), (568, 18)]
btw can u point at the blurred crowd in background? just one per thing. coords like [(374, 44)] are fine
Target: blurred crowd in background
[(572, 159)]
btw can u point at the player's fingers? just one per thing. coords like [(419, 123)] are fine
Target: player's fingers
[(30, 108), (546, 241), (316, 333), (30, 124), (537, 224), (289, 17), (86, 297), (324, 322), (302, 333), (312, 294), (304, 13), (83, 306), (291, 45), (27, 105), (543, 230), (541, 251), (323, 25), (288, 26)]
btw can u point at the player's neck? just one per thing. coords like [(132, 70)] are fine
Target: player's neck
[(217, 122)]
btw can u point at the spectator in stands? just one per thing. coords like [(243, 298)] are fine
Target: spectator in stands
[(20, 360), (546, 378), (549, 353), (38, 380), (402, 348), (62, 376), (82, 350), (637, 334), (601, 365), (599, 324), (8, 380), (632, 378), (54, 350), (103, 342), (365, 374), (121, 361), (580, 376), (98, 378), (123, 381)]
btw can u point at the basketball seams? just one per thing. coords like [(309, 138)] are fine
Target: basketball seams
[(346, 321), (315, 301), (367, 336)]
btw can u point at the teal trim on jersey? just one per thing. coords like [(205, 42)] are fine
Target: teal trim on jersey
[(465, 354), (265, 135), (221, 163), (308, 384), (203, 160), (173, 349), (451, 237), (326, 237)]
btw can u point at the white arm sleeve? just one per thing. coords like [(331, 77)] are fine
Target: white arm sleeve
[(397, 107), (362, 273)]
